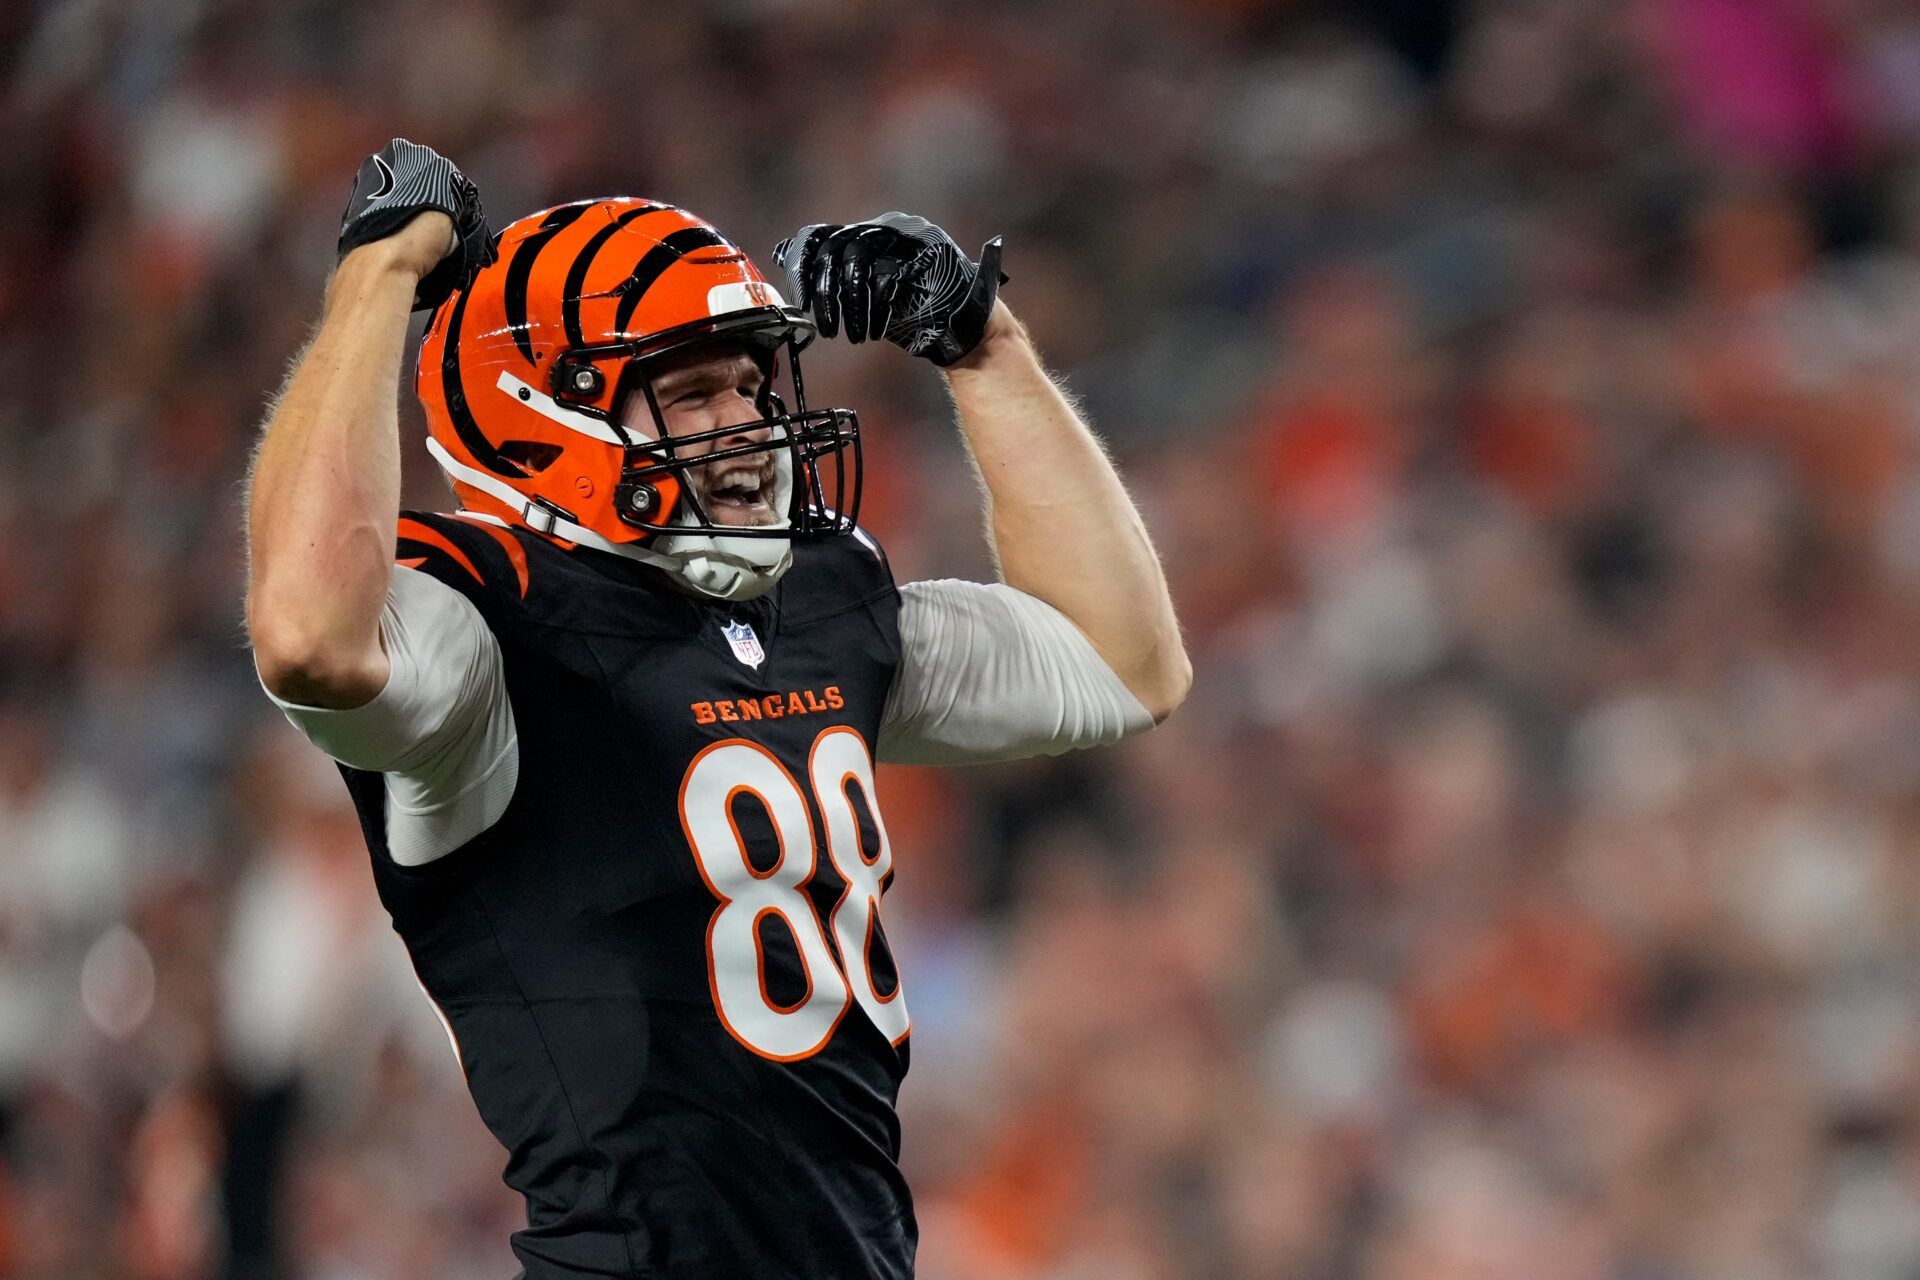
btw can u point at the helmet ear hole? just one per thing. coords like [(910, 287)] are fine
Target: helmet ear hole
[(531, 456)]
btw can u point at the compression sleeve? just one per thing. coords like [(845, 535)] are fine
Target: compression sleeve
[(441, 730), (990, 673)]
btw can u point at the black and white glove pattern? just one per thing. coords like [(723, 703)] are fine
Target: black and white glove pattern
[(399, 182), (896, 277)]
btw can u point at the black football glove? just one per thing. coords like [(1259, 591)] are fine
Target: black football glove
[(896, 277), (399, 182)]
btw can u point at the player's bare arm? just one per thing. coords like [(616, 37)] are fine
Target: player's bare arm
[(325, 487), (326, 483), (1061, 524)]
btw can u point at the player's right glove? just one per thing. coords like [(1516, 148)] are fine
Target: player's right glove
[(399, 182), (896, 277)]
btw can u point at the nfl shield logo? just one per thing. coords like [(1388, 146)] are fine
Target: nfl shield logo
[(746, 645)]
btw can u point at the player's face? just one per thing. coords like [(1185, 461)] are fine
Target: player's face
[(710, 390)]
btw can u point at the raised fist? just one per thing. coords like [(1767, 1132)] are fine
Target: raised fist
[(394, 186), (896, 277)]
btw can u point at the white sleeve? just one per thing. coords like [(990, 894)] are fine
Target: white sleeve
[(441, 730), (990, 673)]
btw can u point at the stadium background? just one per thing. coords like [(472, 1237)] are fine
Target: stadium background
[(1523, 395)]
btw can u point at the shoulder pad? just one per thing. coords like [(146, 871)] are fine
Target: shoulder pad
[(854, 559), (830, 575), (866, 540)]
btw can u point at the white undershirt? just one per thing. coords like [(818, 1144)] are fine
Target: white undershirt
[(986, 673)]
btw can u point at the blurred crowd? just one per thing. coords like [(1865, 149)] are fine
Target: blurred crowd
[(1525, 396)]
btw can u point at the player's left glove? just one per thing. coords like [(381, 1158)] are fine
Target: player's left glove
[(896, 277)]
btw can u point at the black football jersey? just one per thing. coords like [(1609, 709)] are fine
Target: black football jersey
[(664, 967)]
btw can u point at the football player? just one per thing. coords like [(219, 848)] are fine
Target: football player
[(611, 726)]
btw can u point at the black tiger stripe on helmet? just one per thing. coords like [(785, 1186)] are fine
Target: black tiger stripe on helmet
[(655, 261), (570, 295), (520, 269)]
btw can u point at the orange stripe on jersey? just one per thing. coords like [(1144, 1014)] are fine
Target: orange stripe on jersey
[(516, 554), (414, 563), (413, 531)]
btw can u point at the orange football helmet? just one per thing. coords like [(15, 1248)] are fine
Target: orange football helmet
[(524, 371)]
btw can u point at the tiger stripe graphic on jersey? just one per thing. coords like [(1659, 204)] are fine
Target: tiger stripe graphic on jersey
[(412, 530), (516, 554)]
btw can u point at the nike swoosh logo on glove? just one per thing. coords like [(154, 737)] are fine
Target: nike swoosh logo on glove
[(386, 179)]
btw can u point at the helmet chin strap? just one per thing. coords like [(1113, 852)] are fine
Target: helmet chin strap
[(726, 568), (716, 565), (732, 568)]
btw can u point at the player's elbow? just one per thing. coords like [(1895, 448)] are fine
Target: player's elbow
[(1163, 684), (300, 663)]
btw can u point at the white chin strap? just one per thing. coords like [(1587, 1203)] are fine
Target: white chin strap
[(718, 565)]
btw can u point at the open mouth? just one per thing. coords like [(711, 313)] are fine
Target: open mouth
[(739, 492)]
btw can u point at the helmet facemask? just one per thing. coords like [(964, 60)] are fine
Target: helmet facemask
[(809, 460)]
